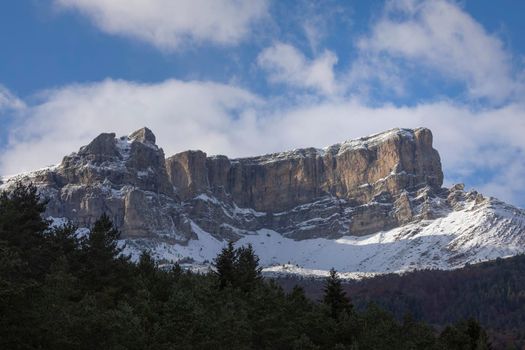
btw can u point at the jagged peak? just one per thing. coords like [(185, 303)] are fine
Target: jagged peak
[(144, 135), (102, 146)]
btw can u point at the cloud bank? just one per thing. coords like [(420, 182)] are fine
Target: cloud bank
[(440, 36), (169, 24), (285, 64)]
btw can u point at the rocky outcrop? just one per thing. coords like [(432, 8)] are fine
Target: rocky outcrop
[(188, 173), (394, 162), (356, 187), (125, 178)]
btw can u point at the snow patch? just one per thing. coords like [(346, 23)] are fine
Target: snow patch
[(475, 234)]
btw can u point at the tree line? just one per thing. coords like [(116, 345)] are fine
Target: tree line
[(62, 291)]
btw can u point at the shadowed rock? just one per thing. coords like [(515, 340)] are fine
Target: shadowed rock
[(102, 148)]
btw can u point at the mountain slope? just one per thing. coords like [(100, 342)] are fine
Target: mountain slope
[(365, 206), (490, 292), (477, 232)]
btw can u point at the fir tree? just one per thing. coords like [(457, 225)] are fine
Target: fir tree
[(22, 227), (247, 270), (335, 296), (102, 265), (102, 240), (147, 265), (225, 266), (63, 240), (21, 220), (465, 335)]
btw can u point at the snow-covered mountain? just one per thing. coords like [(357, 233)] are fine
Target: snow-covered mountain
[(364, 207)]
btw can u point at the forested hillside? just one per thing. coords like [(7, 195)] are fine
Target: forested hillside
[(61, 291), (491, 292)]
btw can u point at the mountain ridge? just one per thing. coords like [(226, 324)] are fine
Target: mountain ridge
[(375, 191)]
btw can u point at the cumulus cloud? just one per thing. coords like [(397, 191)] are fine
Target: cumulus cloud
[(223, 119), (441, 36), (169, 24), (9, 101), (182, 114), (285, 64)]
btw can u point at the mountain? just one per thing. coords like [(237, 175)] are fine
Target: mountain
[(366, 206)]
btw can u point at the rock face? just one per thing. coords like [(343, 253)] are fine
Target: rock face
[(392, 162), (358, 172), (357, 187), (188, 173), (125, 178), (382, 193)]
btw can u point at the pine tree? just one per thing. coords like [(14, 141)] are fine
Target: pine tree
[(101, 260), (335, 296), (478, 336), (225, 266), (25, 257), (147, 265), (64, 241), (102, 241), (247, 270), (21, 220), (22, 227)]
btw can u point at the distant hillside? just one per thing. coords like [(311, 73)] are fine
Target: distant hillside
[(492, 292)]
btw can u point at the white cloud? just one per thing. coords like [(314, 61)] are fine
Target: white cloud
[(508, 184), (370, 74), (182, 114), (8, 100), (168, 24), (285, 64), (222, 119), (440, 35)]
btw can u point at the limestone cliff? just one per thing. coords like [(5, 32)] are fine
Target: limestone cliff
[(392, 162), (353, 188)]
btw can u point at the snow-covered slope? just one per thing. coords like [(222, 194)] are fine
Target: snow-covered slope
[(478, 231)]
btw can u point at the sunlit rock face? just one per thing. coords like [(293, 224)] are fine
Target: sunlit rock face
[(365, 179), (365, 206), (357, 187), (356, 170)]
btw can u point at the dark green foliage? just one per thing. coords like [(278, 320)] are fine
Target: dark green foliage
[(466, 335), (21, 223), (238, 268), (22, 227), (72, 293), (335, 296), (101, 266), (247, 270), (492, 293), (225, 265)]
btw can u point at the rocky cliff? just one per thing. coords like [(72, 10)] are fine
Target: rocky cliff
[(392, 162), (356, 188)]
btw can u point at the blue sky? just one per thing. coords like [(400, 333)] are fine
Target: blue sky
[(249, 77)]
